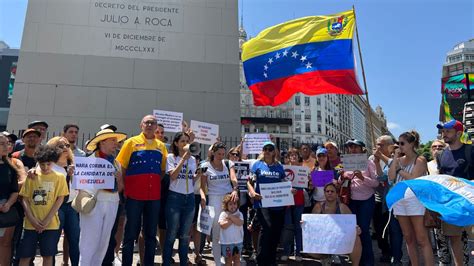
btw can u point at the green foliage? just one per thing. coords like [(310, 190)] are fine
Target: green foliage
[(425, 150)]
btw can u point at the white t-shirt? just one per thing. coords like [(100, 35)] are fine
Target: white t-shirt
[(179, 185), (72, 192), (233, 234), (433, 167), (218, 182)]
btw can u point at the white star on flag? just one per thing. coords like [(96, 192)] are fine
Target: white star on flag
[(270, 60), (277, 55), (303, 58), (285, 53), (308, 65), (265, 67), (294, 54), (265, 75)]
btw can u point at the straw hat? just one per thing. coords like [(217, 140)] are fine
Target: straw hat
[(103, 135)]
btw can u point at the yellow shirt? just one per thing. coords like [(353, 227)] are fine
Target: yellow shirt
[(41, 193)]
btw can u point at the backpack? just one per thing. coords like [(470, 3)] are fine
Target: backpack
[(467, 156)]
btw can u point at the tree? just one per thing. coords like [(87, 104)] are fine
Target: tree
[(425, 150)]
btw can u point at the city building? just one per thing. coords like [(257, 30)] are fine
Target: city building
[(8, 63)]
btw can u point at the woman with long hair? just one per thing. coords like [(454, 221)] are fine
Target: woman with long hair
[(409, 211), (68, 217), (218, 181), (322, 164), (8, 196), (179, 208), (267, 169)]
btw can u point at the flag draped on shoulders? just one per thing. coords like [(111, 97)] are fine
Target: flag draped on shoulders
[(312, 55)]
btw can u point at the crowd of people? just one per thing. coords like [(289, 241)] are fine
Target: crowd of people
[(159, 189)]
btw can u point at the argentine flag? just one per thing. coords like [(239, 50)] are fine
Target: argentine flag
[(451, 197)]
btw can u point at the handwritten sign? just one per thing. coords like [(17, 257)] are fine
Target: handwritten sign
[(253, 143), (242, 170), (352, 162), (322, 178), (328, 233), (276, 194), (171, 120), (297, 175), (93, 173), (205, 219), (205, 133)]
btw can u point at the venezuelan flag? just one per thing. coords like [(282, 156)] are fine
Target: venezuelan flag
[(311, 55)]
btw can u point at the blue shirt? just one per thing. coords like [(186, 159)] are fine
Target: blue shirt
[(265, 174)]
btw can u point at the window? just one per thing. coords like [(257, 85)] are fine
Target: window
[(307, 128), (307, 116), (306, 101), (318, 116), (318, 101), (297, 116), (284, 129), (298, 130), (297, 100), (319, 129), (247, 129)]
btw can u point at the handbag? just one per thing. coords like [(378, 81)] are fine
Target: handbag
[(9, 218), (431, 219), (84, 202), (345, 192)]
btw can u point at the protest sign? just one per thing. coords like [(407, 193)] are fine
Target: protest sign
[(253, 143), (328, 233), (93, 173), (352, 162), (297, 175), (171, 120), (205, 219), (321, 178), (242, 170), (276, 194), (205, 133)]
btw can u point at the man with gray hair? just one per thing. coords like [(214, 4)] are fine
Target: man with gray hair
[(380, 157)]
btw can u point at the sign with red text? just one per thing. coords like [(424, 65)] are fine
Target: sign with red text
[(205, 133), (297, 175), (93, 173)]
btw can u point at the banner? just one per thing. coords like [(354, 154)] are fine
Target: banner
[(205, 219), (352, 162), (322, 178), (276, 194), (205, 133), (455, 87), (171, 120), (253, 143), (297, 175), (242, 170), (328, 233), (93, 173)]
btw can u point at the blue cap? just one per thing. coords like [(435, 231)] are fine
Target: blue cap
[(321, 151), (266, 143)]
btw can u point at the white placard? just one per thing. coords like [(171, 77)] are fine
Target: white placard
[(205, 219), (173, 121), (205, 133), (352, 162), (328, 233), (253, 143), (276, 194), (93, 173), (297, 175), (242, 171)]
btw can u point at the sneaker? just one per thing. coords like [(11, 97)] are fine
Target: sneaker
[(284, 258), (298, 258), (117, 262), (253, 257)]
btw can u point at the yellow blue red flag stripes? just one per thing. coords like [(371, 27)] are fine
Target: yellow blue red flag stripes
[(311, 55)]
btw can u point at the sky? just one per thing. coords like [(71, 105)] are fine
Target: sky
[(403, 42)]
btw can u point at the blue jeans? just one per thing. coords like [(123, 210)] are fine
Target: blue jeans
[(293, 218), (135, 209), (69, 222), (396, 239), (179, 211), (364, 210)]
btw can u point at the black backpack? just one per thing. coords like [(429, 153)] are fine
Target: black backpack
[(467, 155)]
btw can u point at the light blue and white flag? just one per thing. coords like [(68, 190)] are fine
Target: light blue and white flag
[(451, 197)]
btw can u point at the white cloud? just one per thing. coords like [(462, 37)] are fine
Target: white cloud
[(393, 125)]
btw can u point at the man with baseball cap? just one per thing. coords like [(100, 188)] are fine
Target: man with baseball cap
[(40, 126), (456, 160), (31, 139)]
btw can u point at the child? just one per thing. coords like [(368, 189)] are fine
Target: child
[(231, 238), (42, 197)]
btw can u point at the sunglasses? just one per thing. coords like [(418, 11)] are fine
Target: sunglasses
[(437, 146), (270, 148), (150, 123), (235, 154), (62, 146)]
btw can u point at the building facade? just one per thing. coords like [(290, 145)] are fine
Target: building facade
[(8, 65)]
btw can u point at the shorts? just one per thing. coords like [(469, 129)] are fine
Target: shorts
[(48, 243), (451, 230), (229, 250), (409, 206), (197, 203)]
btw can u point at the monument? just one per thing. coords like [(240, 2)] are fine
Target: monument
[(92, 62)]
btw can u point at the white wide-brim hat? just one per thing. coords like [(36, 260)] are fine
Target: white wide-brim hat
[(103, 135)]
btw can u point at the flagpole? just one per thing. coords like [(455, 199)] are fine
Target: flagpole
[(369, 109)]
